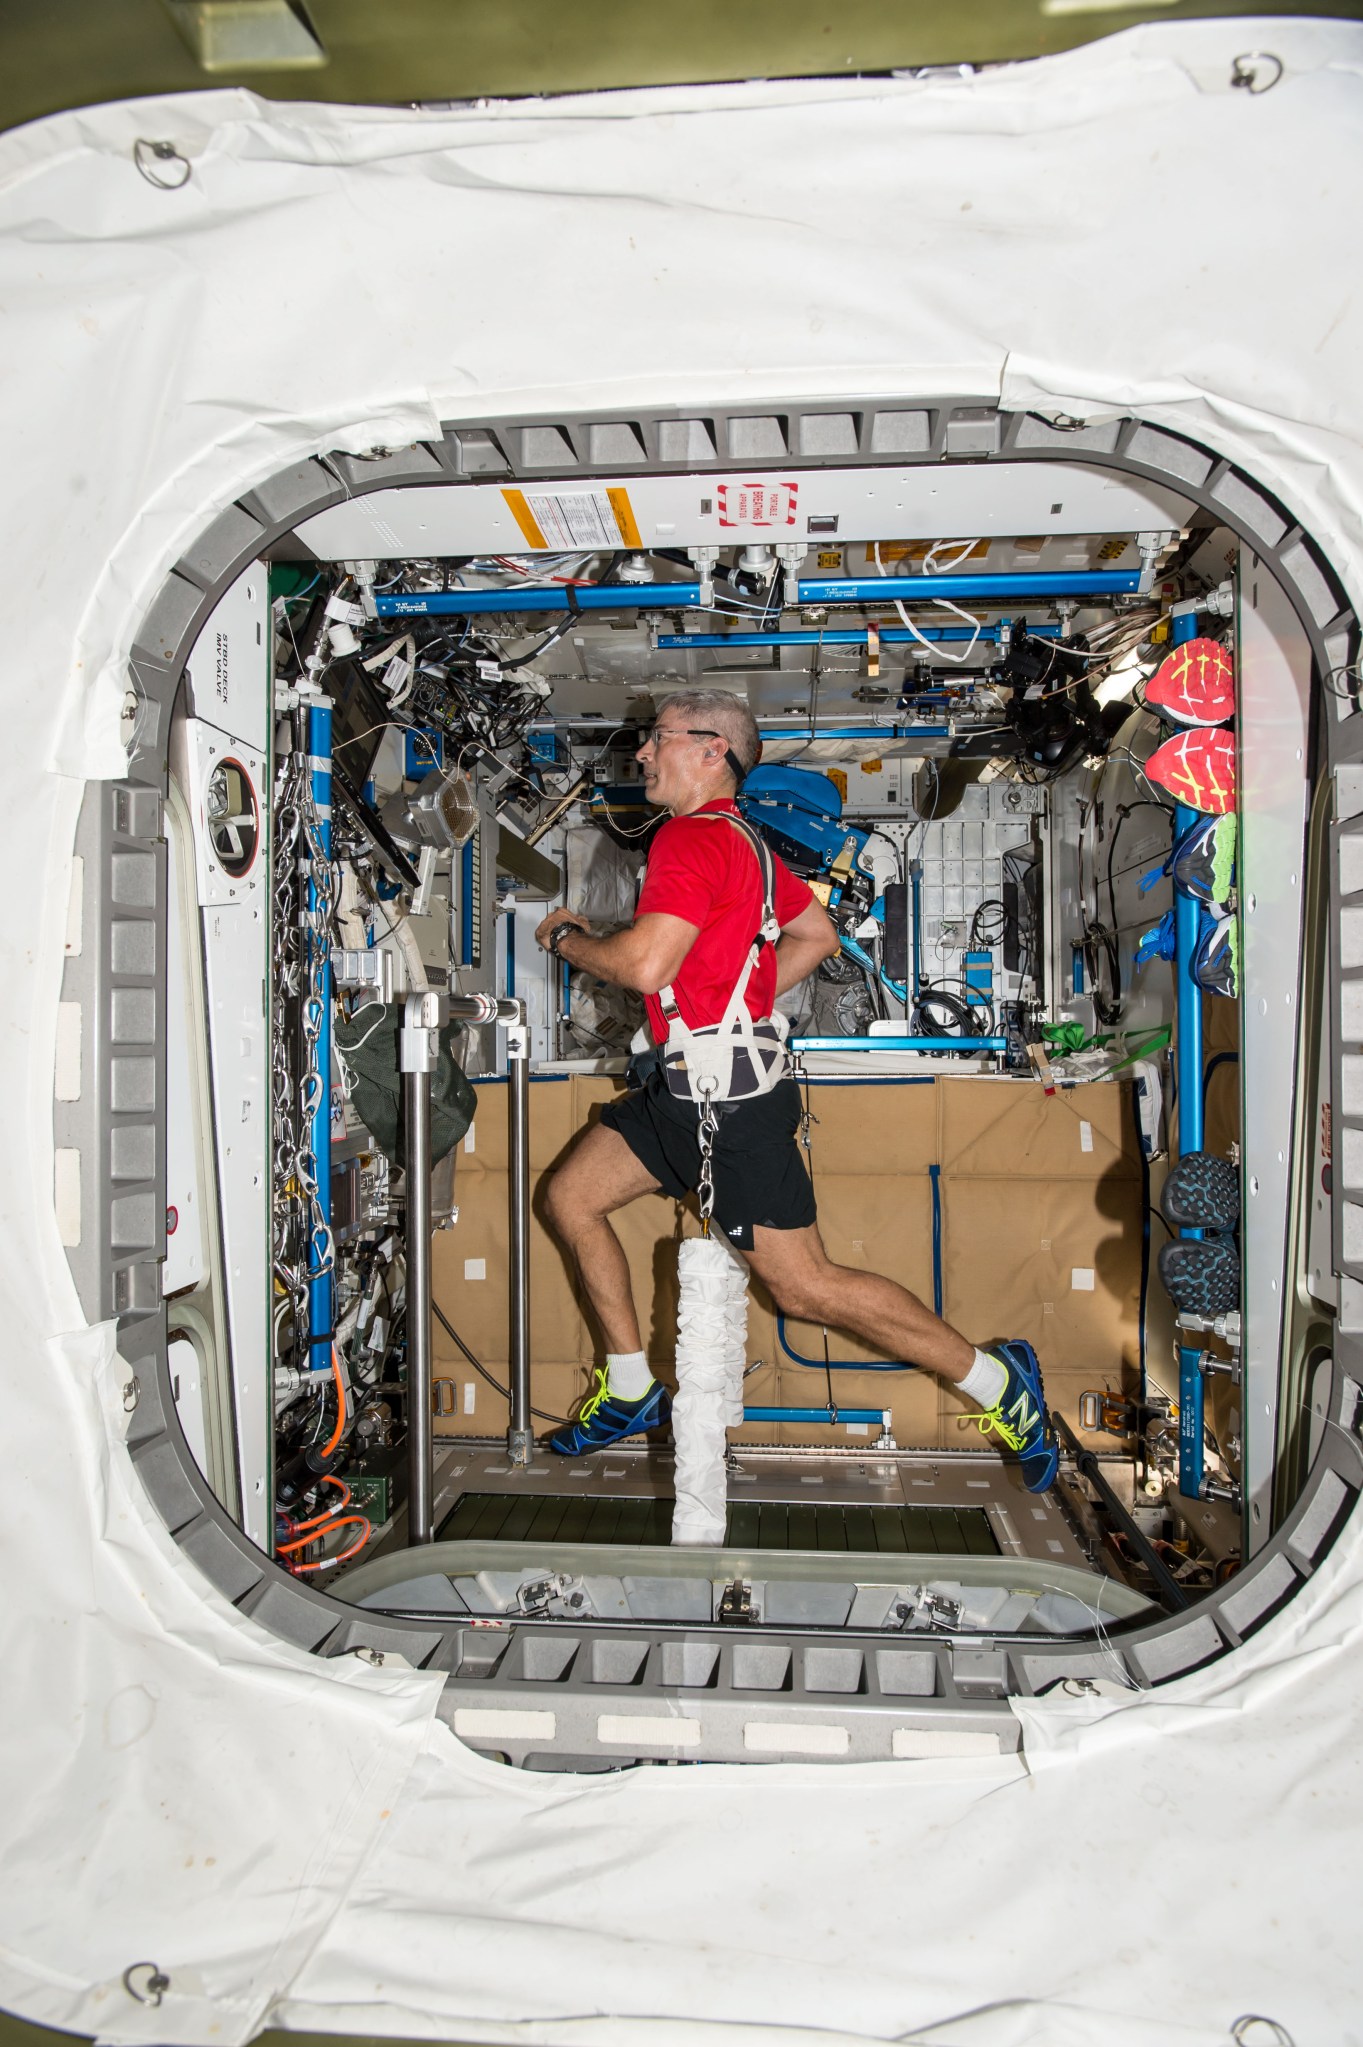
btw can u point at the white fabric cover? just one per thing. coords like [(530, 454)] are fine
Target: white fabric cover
[(712, 1336), (1113, 229)]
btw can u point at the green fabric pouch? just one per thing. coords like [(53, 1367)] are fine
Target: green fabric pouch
[(368, 1044)]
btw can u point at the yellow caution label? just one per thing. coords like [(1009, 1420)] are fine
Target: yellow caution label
[(838, 777), (524, 517), (872, 767), (624, 517), (829, 557), (918, 550), (1112, 550)]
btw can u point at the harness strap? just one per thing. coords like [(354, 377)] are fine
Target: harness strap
[(768, 931)]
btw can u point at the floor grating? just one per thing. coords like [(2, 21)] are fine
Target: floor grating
[(752, 1524)]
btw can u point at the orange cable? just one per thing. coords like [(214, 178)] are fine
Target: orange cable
[(325, 1563), (335, 1435), (334, 1508)]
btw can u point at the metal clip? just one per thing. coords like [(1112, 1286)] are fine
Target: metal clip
[(155, 1988), (132, 1393), (735, 1604)]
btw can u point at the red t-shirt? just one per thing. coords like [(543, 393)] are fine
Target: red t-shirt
[(703, 870)]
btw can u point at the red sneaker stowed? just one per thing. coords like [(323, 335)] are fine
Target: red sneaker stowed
[(1197, 768), (1195, 685)]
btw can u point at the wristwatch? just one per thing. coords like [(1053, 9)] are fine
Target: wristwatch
[(560, 932)]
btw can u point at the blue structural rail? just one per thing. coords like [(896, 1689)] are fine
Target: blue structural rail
[(836, 1417), (532, 597), (906, 1043), (853, 636)]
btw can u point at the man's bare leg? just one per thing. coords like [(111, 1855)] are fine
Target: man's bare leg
[(804, 1282), (599, 1175)]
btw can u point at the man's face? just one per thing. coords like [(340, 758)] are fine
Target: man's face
[(669, 757)]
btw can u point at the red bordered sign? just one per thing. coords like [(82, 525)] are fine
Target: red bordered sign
[(757, 504)]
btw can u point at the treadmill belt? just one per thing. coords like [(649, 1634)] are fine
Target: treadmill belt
[(752, 1524)]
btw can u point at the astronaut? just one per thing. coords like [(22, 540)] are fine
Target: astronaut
[(722, 929)]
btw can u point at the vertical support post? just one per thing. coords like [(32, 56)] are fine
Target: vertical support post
[(1188, 1067), (519, 1442), (916, 914), (418, 1045), (321, 1287)]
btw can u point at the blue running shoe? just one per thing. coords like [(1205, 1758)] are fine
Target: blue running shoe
[(1019, 1419), (602, 1420)]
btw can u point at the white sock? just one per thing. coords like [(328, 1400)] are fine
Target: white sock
[(627, 1374), (984, 1382)]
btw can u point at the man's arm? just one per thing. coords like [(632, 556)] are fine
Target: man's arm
[(802, 944), (645, 956)]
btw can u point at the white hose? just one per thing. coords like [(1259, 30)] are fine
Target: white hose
[(712, 1344)]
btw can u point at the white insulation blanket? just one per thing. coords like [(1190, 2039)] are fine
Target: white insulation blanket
[(287, 1839), (712, 1340)]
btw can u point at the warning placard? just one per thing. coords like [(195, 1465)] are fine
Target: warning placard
[(558, 520), (757, 504)]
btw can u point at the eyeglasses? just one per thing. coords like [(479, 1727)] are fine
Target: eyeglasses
[(656, 734)]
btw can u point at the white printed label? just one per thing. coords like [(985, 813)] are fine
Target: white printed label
[(502, 1723), (468, 1140), (66, 1084), (583, 518), (648, 1730), (470, 1394), (1082, 1278), (475, 1268), (782, 1738), (918, 1744), (1086, 1137)]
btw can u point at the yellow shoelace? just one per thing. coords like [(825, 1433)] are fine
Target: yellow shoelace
[(594, 1399), (1010, 1434)]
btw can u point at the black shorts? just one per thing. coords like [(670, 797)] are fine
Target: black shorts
[(760, 1177)]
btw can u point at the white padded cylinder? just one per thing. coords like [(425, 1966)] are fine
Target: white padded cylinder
[(712, 1342)]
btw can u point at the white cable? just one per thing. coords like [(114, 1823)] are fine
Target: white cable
[(964, 550), (943, 604)]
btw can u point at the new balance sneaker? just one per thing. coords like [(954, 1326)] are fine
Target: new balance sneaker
[(1202, 864), (1019, 1419), (1216, 956), (1195, 685), (602, 1420), (1198, 769)]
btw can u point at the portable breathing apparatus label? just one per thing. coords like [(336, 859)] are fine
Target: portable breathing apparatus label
[(555, 520), (757, 504)]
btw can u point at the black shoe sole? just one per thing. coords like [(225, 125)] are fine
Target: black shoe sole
[(1202, 1193), (1201, 1278)]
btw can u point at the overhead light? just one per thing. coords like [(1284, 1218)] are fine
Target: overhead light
[(247, 35), (1121, 680)]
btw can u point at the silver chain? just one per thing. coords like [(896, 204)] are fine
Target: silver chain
[(300, 936), (708, 1131)]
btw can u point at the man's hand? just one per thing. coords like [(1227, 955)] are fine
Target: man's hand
[(644, 956), (553, 921)]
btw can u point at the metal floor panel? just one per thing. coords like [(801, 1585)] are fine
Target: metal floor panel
[(1022, 1524)]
